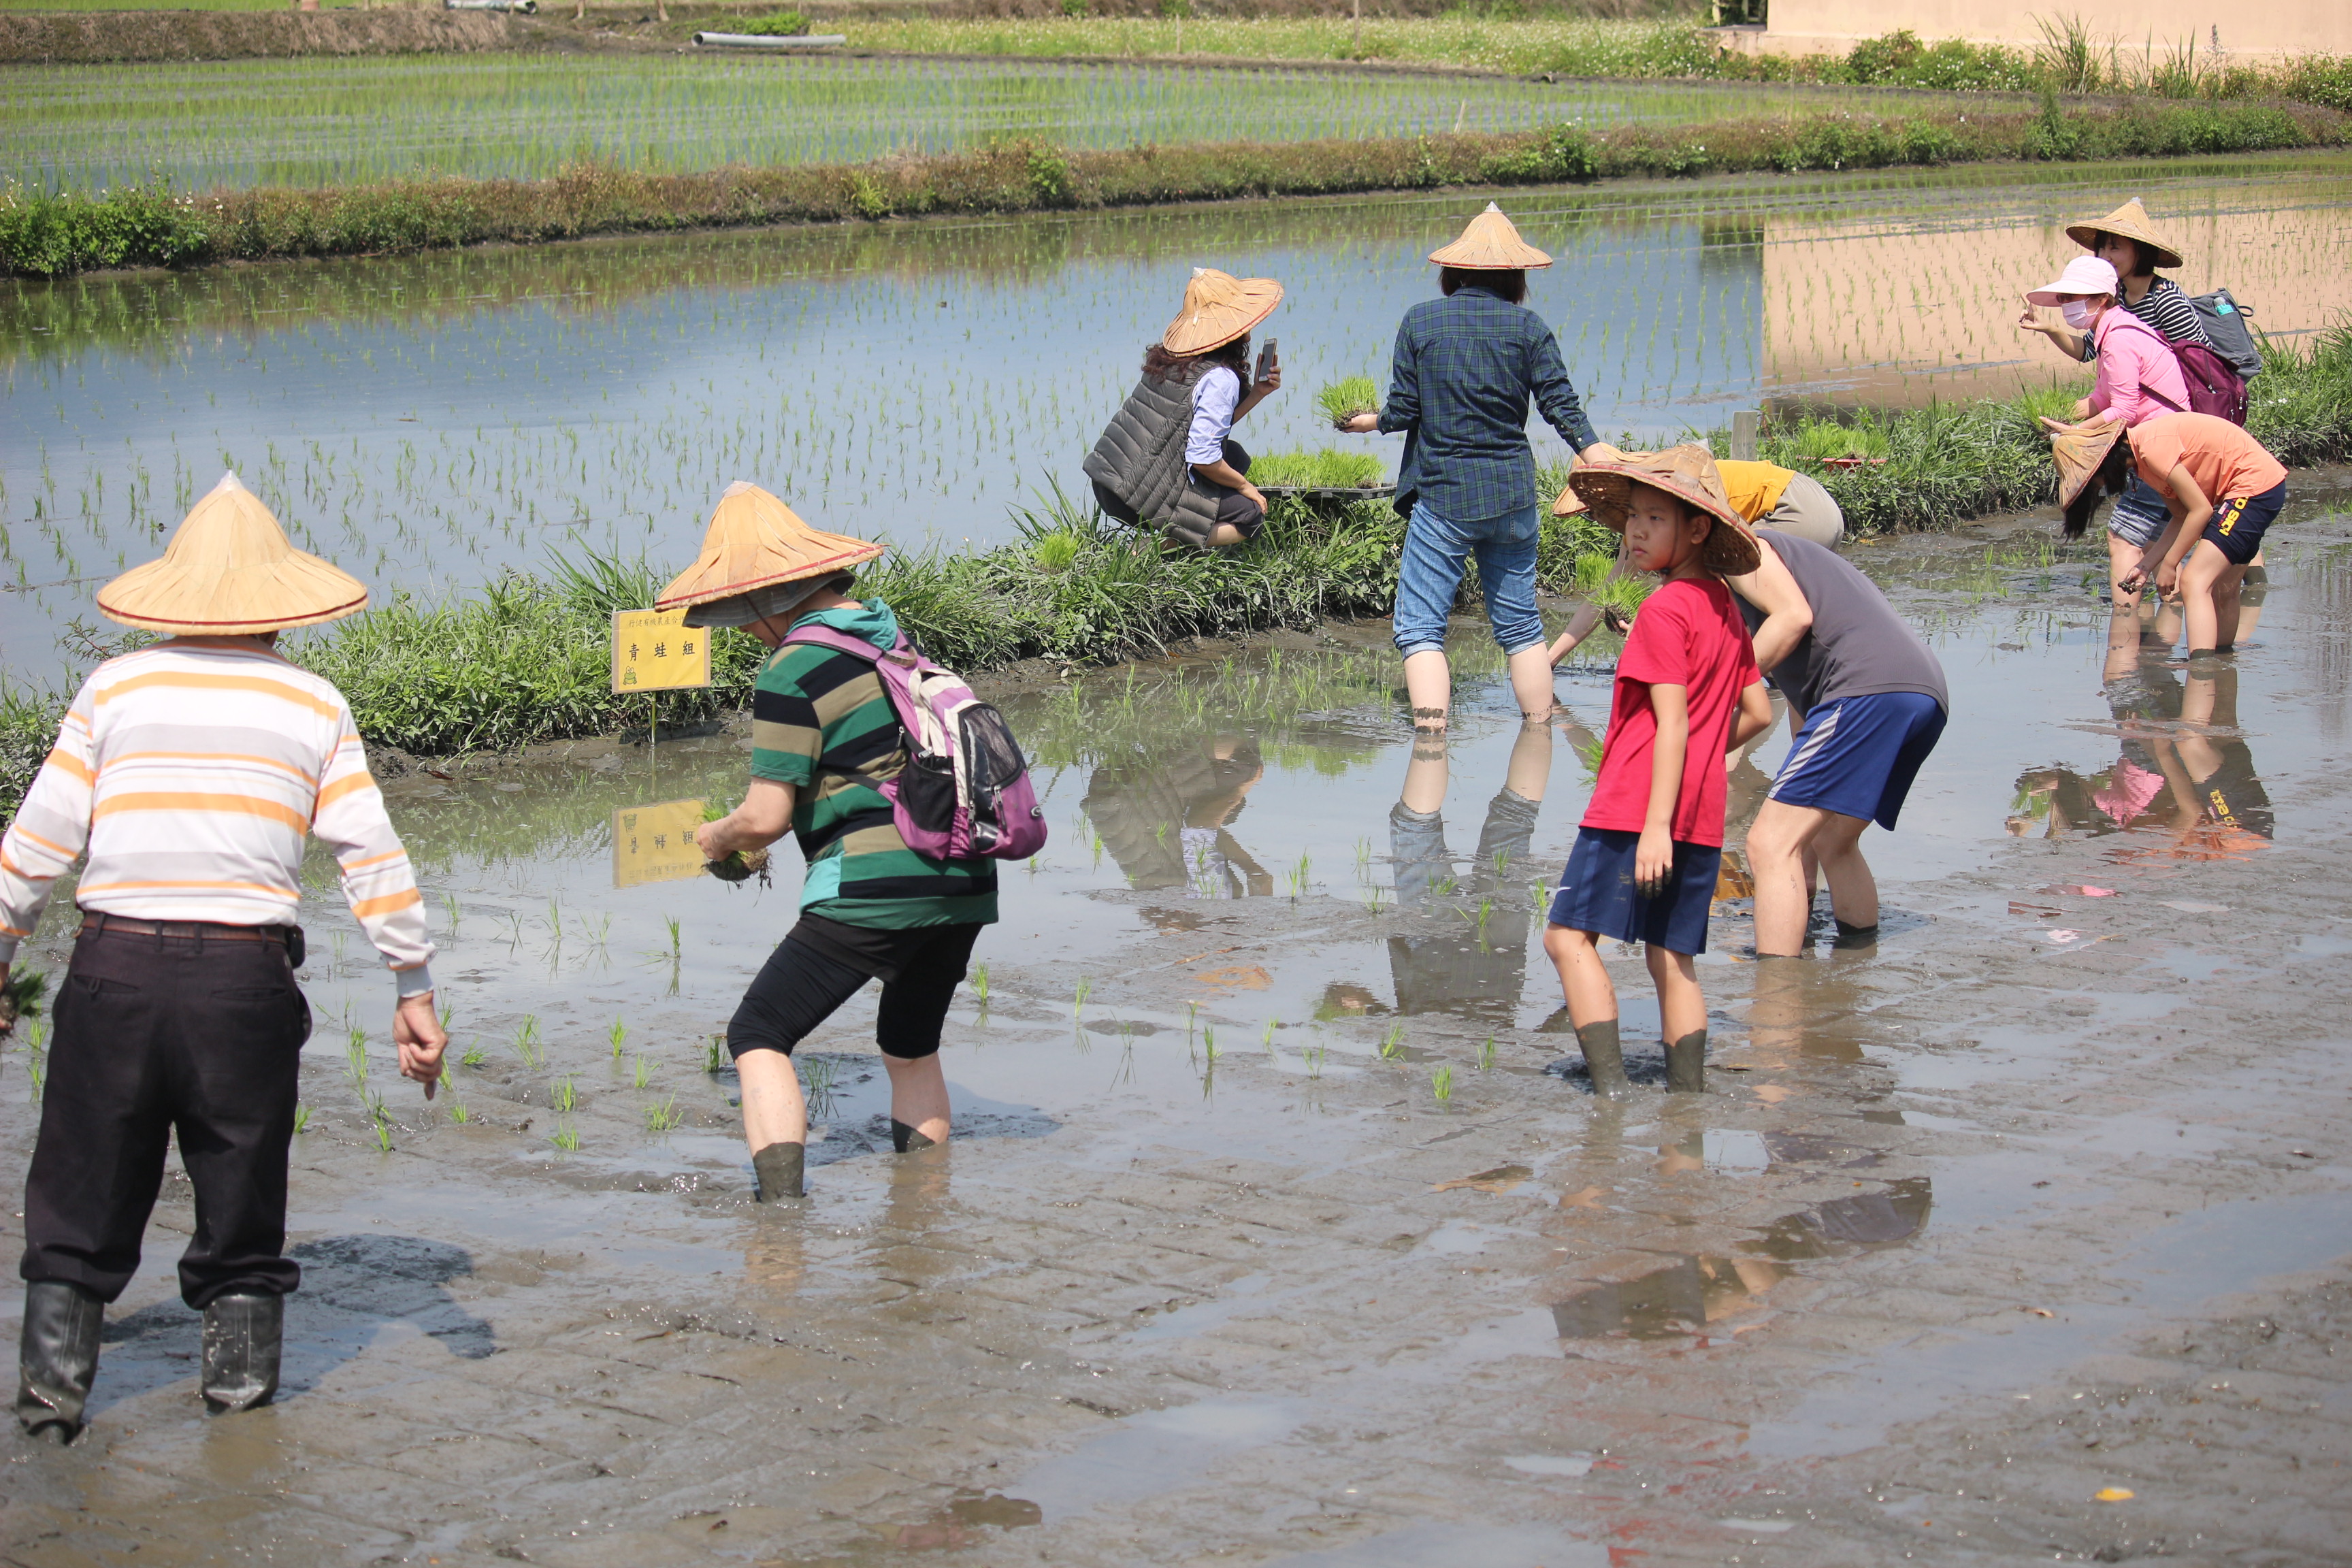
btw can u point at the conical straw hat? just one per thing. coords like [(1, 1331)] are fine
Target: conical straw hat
[(757, 542), (2078, 450), (1219, 308), (2131, 221), (1490, 244), (230, 571), (1688, 474)]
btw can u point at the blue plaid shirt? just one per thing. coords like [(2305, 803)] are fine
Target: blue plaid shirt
[(1464, 370)]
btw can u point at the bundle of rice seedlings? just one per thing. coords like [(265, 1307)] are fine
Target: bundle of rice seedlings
[(1616, 597), (1348, 397), (1328, 468), (22, 996), (735, 866)]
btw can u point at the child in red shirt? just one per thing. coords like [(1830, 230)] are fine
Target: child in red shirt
[(1651, 844)]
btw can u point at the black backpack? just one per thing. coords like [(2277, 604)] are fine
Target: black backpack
[(2225, 323)]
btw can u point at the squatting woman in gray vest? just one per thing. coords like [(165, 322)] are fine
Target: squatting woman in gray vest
[(1168, 457)]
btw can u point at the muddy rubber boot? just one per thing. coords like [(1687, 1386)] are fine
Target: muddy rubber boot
[(243, 1334), (779, 1167), (1686, 1064), (1853, 936), (58, 1358), (906, 1141), (1604, 1058)]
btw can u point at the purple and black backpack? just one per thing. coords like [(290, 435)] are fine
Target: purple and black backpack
[(964, 794)]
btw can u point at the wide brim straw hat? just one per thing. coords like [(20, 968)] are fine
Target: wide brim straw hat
[(2083, 274), (755, 547), (1490, 242), (1688, 474), (230, 571), (2131, 221), (2078, 450), (1218, 307)]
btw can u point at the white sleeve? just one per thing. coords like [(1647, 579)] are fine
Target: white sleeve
[(1214, 397)]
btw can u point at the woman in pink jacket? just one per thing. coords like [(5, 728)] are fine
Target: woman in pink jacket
[(2140, 378)]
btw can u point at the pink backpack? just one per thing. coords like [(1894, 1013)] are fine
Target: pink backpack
[(964, 794)]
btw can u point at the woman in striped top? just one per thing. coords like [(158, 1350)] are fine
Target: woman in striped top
[(187, 777)]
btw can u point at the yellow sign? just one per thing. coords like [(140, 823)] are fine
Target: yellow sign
[(655, 650), (650, 843)]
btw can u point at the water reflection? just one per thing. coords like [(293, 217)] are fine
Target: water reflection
[(1166, 817), (1467, 950)]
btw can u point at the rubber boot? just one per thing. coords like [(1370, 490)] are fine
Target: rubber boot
[(779, 1168), (1604, 1058), (58, 1358), (244, 1332), (906, 1141), (1850, 936), (1686, 1064)]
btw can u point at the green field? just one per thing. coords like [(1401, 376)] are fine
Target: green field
[(317, 121)]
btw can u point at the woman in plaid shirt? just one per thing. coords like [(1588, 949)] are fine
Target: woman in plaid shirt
[(1465, 369)]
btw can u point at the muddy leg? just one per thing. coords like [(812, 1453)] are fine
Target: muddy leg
[(1854, 892), (1776, 843), (775, 1122), (919, 1102), (1592, 1007), (1429, 688)]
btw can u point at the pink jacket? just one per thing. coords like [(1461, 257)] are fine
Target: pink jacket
[(2139, 377)]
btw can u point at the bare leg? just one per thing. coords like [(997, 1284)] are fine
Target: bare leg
[(2229, 591), (1224, 536), (2123, 561), (2201, 574), (1682, 1009), (773, 1109), (1854, 892), (1531, 684), (1429, 688), (918, 1095), (1776, 843), (1529, 771), (1583, 979)]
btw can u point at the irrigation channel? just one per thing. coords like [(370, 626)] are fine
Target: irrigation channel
[(432, 422), (2032, 1200)]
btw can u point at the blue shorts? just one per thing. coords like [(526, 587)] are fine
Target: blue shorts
[(1596, 892), (1857, 756)]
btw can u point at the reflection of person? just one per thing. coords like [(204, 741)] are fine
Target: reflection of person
[(1783, 499), (1454, 968), (825, 738), (1464, 371), (1167, 455), (1688, 692), (1164, 817), (2139, 378), (2174, 773), (2221, 486), (190, 773), (1868, 699)]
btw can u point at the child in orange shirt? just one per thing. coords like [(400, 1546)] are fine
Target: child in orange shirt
[(2222, 488), (1646, 856)]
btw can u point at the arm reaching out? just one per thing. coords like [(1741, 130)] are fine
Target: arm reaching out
[(1788, 617), (764, 817)]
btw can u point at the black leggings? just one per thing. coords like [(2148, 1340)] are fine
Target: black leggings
[(801, 985)]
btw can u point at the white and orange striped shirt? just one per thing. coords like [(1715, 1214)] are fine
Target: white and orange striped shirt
[(191, 771)]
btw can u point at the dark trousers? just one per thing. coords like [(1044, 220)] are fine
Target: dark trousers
[(157, 1036), (803, 984)]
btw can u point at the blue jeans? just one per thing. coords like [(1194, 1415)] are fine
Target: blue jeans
[(1431, 574)]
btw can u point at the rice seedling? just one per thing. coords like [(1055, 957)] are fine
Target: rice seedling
[(455, 912), (1079, 998), (301, 1118), (37, 1072), (1298, 875), (641, 1072), (1271, 1024), (566, 1137), (714, 1053), (566, 1099), (818, 1084), (382, 1129), (1192, 1020), (1209, 1043), (1392, 1044), (474, 1056), (1325, 470), (355, 1059), (1377, 900), (528, 1045), (663, 1116), (1349, 395), (1313, 1057), (617, 1034), (980, 982), (1486, 1054), (1441, 1083)]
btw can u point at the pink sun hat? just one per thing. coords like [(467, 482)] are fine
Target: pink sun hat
[(2083, 274)]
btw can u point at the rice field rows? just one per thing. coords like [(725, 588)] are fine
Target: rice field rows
[(434, 422), (323, 121)]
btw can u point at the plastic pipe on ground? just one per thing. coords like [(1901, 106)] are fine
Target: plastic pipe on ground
[(755, 41)]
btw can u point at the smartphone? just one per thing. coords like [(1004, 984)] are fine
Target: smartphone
[(1265, 361)]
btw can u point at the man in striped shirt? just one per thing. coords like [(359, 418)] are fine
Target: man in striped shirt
[(186, 775)]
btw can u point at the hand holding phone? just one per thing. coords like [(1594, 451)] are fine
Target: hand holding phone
[(1269, 368)]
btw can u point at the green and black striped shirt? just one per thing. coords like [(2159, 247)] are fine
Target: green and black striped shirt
[(821, 722)]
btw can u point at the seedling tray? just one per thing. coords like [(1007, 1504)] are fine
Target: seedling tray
[(1330, 492)]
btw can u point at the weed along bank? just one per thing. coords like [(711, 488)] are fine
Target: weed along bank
[(1572, 914)]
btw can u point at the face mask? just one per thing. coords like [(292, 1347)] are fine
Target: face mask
[(2077, 313)]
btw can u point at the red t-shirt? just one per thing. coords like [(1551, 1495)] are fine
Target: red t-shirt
[(1688, 633)]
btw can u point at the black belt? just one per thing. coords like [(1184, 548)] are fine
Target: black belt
[(186, 930)]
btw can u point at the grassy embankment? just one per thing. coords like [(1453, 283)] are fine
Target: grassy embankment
[(55, 235), (527, 661)]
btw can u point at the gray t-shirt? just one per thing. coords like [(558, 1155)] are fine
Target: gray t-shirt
[(1857, 645)]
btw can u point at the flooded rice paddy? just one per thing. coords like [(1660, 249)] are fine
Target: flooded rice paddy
[(1265, 1234), (433, 421), (322, 122)]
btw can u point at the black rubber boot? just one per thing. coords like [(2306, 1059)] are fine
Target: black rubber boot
[(58, 1358), (1686, 1064), (1854, 936), (243, 1334), (906, 1141), (1604, 1058), (779, 1168)]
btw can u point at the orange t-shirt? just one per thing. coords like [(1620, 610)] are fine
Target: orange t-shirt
[(2224, 461)]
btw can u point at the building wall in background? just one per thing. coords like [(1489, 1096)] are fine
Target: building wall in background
[(2262, 31)]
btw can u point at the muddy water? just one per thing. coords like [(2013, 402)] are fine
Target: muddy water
[(431, 422), (2042, 1193)]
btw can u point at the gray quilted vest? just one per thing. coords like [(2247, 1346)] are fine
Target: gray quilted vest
[(1141, 460)]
